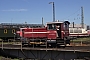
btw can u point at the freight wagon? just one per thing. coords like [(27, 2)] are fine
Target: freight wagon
[(8, 30)]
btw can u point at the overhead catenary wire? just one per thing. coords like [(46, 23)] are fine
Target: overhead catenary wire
[(71, 14)]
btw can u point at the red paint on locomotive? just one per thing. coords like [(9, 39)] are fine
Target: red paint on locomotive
[(35, 33), (53, 32)]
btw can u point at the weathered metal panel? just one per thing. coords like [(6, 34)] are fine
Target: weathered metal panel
[(43, 54)]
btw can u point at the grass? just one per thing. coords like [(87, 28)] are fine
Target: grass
[(9, 42), (3, 58), (84, 40)]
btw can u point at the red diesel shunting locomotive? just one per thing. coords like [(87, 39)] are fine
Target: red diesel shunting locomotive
[(55, 34)]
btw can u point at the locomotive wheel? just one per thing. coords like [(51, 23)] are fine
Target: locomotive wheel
[(22, 44), (57, 45), (47, 45), (53, 45), (64, 41), (38, 45), (34, 45)]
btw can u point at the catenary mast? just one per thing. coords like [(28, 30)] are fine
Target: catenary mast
[(82, 18)]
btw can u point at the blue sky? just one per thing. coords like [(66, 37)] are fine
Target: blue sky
[(32, 11)]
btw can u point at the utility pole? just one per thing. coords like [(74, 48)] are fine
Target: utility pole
[(53, 11), (82, 18)]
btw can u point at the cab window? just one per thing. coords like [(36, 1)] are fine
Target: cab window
[(51, 26), (66, 25)]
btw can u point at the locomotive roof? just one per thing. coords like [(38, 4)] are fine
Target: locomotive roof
[(57, 22), (18, 25)]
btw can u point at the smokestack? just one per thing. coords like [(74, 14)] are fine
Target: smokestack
[(73, 24), (42, 22)]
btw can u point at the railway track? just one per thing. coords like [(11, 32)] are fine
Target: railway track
[(67, 48)]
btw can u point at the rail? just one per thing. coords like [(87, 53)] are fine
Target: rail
[(19, 43), (11, 43)]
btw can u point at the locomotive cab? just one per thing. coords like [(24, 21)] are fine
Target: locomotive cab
[(61, 28), (60, 32), (55, 26)]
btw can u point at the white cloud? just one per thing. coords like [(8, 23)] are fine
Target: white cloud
[(16, 10)]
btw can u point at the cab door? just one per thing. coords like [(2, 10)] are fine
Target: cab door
[(66, 28), (58, 29)]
